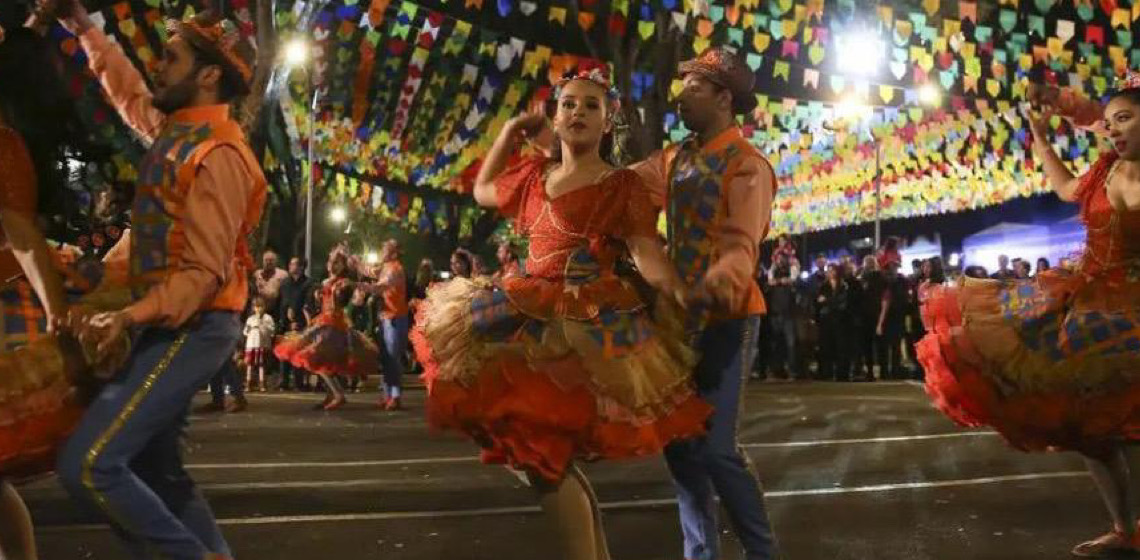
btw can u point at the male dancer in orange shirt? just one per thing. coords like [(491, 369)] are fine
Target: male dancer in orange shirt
[(200, 192)]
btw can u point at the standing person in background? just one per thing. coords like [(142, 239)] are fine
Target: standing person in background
[(268, 280), (1022, 269), (393, 288), (1003, 271), (509, 265), (1042, 265), (914, 330), (782, 316), (296, 289), (889, 253), (832, 316), (873, 287), (891, 325), (784, 247), (259, 331)]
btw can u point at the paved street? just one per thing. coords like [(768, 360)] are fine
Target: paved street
[(852, 471)]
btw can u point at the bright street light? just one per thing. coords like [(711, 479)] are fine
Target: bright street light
[(296, 52), (851, 107), (928, 94), (338, 215), (860, 53)]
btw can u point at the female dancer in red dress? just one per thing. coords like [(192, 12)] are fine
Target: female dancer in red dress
[(565, 362), (329, 347), (38, 404), (1053, 362)]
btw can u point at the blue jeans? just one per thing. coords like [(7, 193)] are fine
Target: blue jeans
[(394, 335), (715, 461), (123, 459)]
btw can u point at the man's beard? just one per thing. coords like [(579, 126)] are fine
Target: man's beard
[(177, 96)]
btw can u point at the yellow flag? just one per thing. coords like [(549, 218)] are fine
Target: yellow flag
[(761, 42), (887, 93), (993, 87)]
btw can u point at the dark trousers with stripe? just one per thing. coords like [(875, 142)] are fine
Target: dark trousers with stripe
[(715, 465), (124, 459)]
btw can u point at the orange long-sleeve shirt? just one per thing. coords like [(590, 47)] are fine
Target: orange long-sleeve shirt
[(748, 202), (214, 207)]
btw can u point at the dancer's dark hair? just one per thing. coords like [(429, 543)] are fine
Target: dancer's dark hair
[(34, 102), (1132, 95)]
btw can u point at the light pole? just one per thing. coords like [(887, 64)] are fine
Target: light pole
[(297, 56), (854, 109), (312, 182)]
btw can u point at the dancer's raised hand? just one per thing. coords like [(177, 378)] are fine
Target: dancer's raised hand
[(528, 126), (73, 16), (1042, 97)]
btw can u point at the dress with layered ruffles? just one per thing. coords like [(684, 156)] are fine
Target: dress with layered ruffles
[(567, 360), (1051, 362), (330, 346), (40, 403)]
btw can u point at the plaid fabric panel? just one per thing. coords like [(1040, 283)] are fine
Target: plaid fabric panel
[(620, 334), (493, 316), (156, 242), (24, 318), (1047, 324), (694, 199)]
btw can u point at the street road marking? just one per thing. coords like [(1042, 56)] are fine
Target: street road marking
[(472, 458), (619, 505), (885, 439), (334, 464)]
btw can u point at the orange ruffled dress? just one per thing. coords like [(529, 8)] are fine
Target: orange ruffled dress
[(565, 361), (1051, 362), (38, 408), (329, 345)]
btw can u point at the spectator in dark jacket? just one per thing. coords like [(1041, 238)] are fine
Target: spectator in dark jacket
[(295, 291)]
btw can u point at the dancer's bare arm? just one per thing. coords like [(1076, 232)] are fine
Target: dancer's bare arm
[(1063, 182), (32, 252), (515, 131)]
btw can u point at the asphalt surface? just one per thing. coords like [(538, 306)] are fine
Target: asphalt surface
[(853, 471)]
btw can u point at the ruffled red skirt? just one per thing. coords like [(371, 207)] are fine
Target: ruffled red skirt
[(39, 409), (1050, 363), (40, 404), (329, 348), (536, 394)]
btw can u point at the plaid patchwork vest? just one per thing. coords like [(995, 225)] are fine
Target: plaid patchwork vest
[(695, 209), (167, 174)]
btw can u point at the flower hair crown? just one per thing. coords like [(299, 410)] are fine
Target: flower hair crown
[(1131, 80), (598, 77)]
